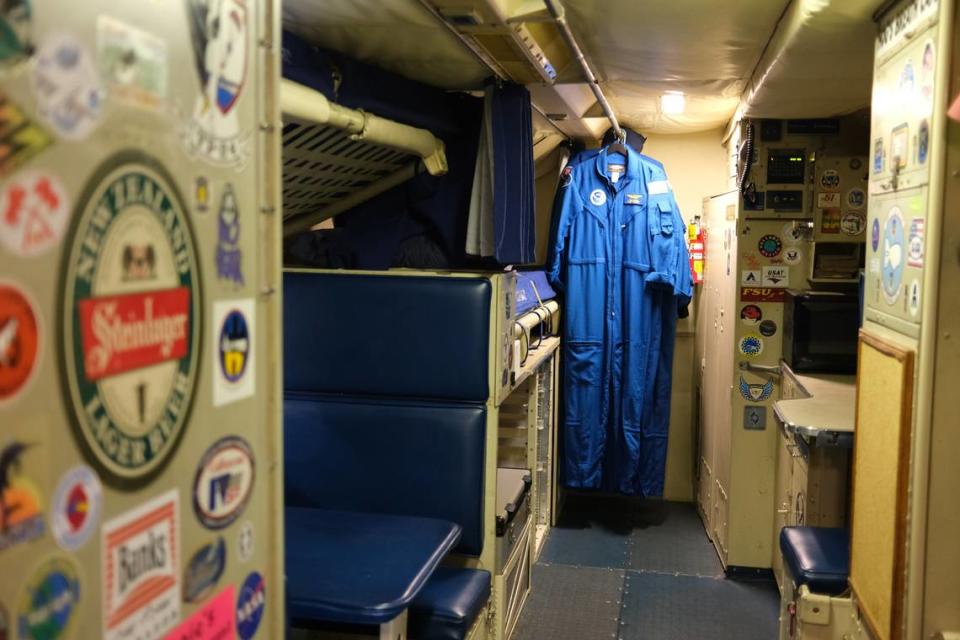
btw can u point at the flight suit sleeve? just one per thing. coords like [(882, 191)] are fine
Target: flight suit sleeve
[(566, 204)]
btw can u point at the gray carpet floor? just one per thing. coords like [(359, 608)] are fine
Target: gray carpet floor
[(630, 570)]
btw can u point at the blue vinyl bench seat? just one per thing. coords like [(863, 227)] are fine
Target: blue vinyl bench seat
[(818, 557), (359, 568), (449, 603)]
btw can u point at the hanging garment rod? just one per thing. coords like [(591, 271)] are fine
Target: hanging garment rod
[(304, 103), (559, 18)]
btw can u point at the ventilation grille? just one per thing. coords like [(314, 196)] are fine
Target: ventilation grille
[(321, 165)]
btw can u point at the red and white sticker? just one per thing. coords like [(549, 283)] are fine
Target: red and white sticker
[(141, 584), (215, 621), (34, 211), (19, 340)]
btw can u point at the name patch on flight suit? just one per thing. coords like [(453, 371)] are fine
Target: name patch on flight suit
[(634, 198)]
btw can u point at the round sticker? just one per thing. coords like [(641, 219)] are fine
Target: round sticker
[(856, 198), (49, 601), (875, 234), (245, 541), (893, 255), (67, 87), (33, 213), (923, 142), (598, 197), (770, 246), (131, 318), (855, 163), (768, 328), (19, 340), (223, 482), (853, 223), (75, 512), (830, 180), (250, 604), (751, 345), (913, 301), (792, 256), (751, 314), (792, 234), (234, 346)]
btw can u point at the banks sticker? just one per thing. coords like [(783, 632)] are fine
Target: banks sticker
[(76, 508), (776, 276), (49, 602), (19, 341), (133, 62), (34, 212), (762, 294), (756, 392), (224, 482), (770, 246), (21, 509), (141, 586), (233, 351), (751, 345), (220, 34), (67, 87), (214, 621), (20, 137), (131, 320), (203, 571), (915, 247), (16, 26), (251, 602)]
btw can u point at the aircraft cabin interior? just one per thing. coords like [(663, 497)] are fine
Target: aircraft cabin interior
[(479, 320)]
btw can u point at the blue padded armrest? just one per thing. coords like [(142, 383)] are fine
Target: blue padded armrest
[(387, 456), (409, 336), (359, 568), (448, 604), (817, 557)]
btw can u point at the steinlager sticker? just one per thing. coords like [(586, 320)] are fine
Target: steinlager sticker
[(131, 319)]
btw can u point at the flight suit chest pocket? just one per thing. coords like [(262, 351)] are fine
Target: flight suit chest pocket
[(587, 234), (661, 218), (663, 243)]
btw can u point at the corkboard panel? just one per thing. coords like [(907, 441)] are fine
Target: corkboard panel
[(880, 477)]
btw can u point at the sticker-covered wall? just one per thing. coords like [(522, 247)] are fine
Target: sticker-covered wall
[(139, 455)]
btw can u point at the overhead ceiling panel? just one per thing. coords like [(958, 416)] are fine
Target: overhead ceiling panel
[(397, 35)]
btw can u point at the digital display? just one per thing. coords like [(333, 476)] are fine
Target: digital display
[(786, 166)]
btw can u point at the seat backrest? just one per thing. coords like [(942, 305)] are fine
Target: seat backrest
[(390, 336), (387, 456)]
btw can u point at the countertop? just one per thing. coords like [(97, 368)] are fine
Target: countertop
[(830, 405)]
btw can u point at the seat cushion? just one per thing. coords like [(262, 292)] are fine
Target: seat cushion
[(448, 604), (817, 557)]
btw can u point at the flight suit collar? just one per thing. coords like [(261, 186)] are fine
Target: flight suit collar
[(629, 173)]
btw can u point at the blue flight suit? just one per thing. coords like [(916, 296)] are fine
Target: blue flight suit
[(616, 253)]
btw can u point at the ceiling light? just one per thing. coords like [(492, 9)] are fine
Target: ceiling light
[(673, 102)]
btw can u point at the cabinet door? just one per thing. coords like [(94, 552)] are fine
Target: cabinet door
[(798, 512), (782, 499)]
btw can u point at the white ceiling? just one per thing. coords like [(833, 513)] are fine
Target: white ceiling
[(817, 64)]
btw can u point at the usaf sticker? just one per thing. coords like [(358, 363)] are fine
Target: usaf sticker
[(218, 29), (233, 352), (224, 482), (141, 585), (131, 319), (48, 604)]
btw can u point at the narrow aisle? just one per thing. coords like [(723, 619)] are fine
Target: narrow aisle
[(616, 568)]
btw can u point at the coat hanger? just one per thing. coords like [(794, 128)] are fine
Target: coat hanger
[(619, 144)]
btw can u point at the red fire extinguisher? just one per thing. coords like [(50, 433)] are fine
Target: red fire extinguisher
[(696, 244)]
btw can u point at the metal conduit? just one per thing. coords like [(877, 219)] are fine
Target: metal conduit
[(559, 17)]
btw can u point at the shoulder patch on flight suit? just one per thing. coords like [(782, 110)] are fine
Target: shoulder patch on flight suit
[(658, 187)]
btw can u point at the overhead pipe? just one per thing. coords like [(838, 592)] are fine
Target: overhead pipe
[(559, 18)]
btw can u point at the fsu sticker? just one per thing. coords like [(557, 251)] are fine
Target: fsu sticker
[(131, 319), (224, 482)]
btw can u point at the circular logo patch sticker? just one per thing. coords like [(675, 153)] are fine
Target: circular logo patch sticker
[(598, 197), (751, 345), (234, 346), (19, 340), (33, 213), (224, 482), (131, 318), (770, 246), (853, 223), (49, 601), (76, 508), (856, 198), (792, 234), (250, 604), (792, 256), (67, 87), (893, 255), (830, 180), (751, 314), (768, 328)]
